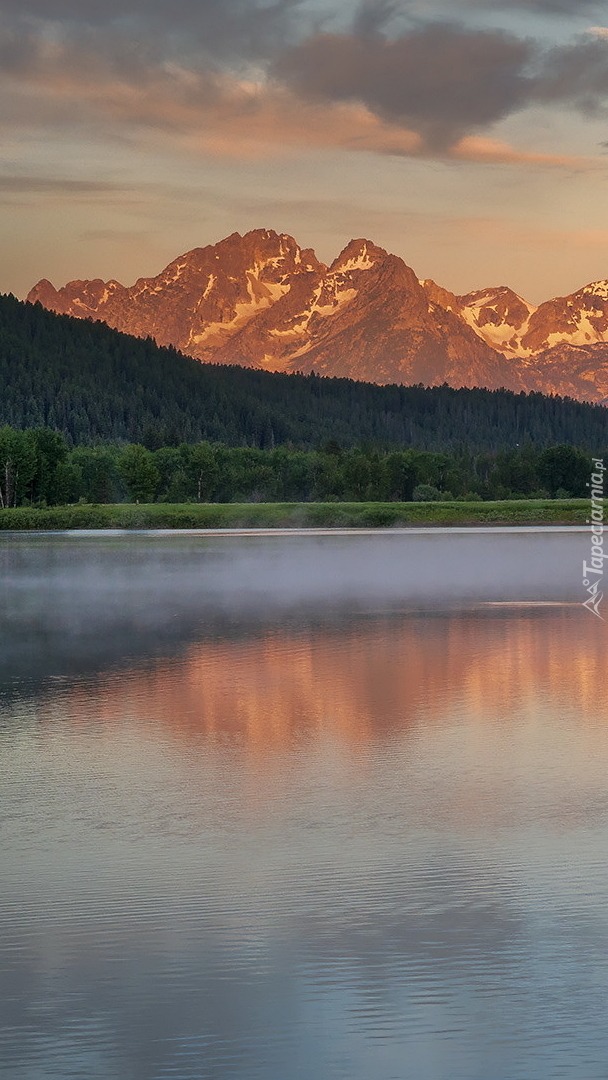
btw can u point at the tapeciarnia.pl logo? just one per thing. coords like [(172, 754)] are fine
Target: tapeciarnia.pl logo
[(593, 572)]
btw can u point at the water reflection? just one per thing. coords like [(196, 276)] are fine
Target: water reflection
[(362, 844), (507, 707), (368, 678)]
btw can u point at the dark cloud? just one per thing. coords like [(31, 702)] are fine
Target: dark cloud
[(19, 49), (173, 13), (219, 28), (373, 16), (444, 81), (539, 7), (578, 75), (440, 80)]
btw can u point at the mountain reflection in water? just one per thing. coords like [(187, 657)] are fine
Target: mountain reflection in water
[(374, 676), (346, 838)]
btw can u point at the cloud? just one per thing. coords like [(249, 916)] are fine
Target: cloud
[(215, 28), (538, 7), (372, 16), (576, 75), (236, 118), (19, 185), (495, 152), (444, 81), (437, 89), (440, 80)]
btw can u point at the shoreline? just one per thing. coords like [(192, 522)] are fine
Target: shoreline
[(290, 517)]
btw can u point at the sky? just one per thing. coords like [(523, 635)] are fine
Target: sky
[(470, 137)]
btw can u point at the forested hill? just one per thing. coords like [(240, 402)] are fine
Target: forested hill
[(97, 385)]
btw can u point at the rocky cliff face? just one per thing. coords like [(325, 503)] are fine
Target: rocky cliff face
[(260, 300), (576, 371), (199, 300), (579, 319)]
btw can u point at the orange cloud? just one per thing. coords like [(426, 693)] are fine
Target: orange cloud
[(495, 152), (223, 114)]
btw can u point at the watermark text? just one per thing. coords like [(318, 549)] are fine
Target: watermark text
[(593, 571)]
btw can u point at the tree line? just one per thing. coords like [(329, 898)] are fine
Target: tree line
[(38, 467)]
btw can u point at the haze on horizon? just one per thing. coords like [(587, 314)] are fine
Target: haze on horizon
[(467, 136)]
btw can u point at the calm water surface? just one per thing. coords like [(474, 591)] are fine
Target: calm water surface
[(302, 808)]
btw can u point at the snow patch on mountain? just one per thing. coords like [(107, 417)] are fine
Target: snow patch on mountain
[(500, 335), (586, 333), (362, 261), (335, 299), (209, 286), (500, 317), (597, 288)]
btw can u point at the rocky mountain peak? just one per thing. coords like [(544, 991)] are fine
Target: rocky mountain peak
[(578, 319), (260, 300), (45, 293), (596, 288), (358, 255)]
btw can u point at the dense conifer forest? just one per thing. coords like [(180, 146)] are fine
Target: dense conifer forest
[(95, 385)]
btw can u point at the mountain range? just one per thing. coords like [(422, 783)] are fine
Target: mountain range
[(262, 301)]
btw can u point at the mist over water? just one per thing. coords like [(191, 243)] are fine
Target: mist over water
[(302, 806), (93, 598)]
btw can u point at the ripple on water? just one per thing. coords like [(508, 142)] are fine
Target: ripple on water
[(365, 846)]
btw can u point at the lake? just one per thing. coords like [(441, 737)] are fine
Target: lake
[(302, 806)]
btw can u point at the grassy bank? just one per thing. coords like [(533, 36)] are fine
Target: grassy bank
[(296, 515)]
